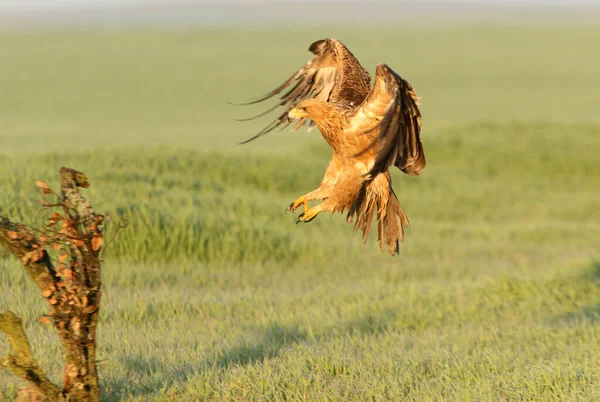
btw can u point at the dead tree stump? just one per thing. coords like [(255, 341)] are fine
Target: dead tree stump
[(64, 261)]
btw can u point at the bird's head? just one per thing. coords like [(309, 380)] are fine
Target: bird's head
[(305, 109)]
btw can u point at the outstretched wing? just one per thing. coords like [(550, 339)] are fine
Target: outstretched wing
[(333, 75), (389, 124)]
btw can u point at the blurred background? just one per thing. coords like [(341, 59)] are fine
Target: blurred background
[(284, 12), (214, 292)]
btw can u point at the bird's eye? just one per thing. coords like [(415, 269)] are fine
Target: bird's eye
[(304, 109)]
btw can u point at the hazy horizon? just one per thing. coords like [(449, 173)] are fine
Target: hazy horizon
[(24, 13)]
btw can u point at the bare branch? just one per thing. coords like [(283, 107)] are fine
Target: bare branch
[(21, 242), (120, 226), (22, 363)]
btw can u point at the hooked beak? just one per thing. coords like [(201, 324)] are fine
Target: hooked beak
[(297, 114), (292, 114)]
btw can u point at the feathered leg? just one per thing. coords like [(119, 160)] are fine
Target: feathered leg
[(329, 180), (340, 197)]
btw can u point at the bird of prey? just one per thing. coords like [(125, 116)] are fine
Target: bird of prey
[(369, 128)]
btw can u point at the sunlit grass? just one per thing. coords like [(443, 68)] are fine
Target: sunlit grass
[(213, 291)]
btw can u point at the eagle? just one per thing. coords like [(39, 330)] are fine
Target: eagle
[(369, 128)]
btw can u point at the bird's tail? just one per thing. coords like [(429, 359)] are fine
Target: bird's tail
[(378, 197)]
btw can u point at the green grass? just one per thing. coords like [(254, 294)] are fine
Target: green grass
[(214, 293)]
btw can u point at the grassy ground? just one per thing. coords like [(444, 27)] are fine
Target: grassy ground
[(213, 292)]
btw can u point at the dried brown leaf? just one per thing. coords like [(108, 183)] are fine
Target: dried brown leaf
[(97, 241), (14, 235), (32, 256), (41, 184), (47, 293), (44, 320)]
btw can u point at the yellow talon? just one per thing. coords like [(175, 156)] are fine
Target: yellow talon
[(308, 215), (299, 201)]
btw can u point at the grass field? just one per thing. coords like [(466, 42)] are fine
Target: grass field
[(214, 293)]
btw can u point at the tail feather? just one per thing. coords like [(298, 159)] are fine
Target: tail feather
[(363, 208), (394, 222), (391, 219)]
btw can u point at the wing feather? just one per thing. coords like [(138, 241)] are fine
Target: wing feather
[(390, 120), (327, 77)]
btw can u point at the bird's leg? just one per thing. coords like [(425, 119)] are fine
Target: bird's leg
[(309, 215), (297, 202), (318, 194), (329, 204)]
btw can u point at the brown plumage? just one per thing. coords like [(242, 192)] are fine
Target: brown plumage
[(369, 129)]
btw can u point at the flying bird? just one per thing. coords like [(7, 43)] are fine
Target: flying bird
[(369, 128)]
